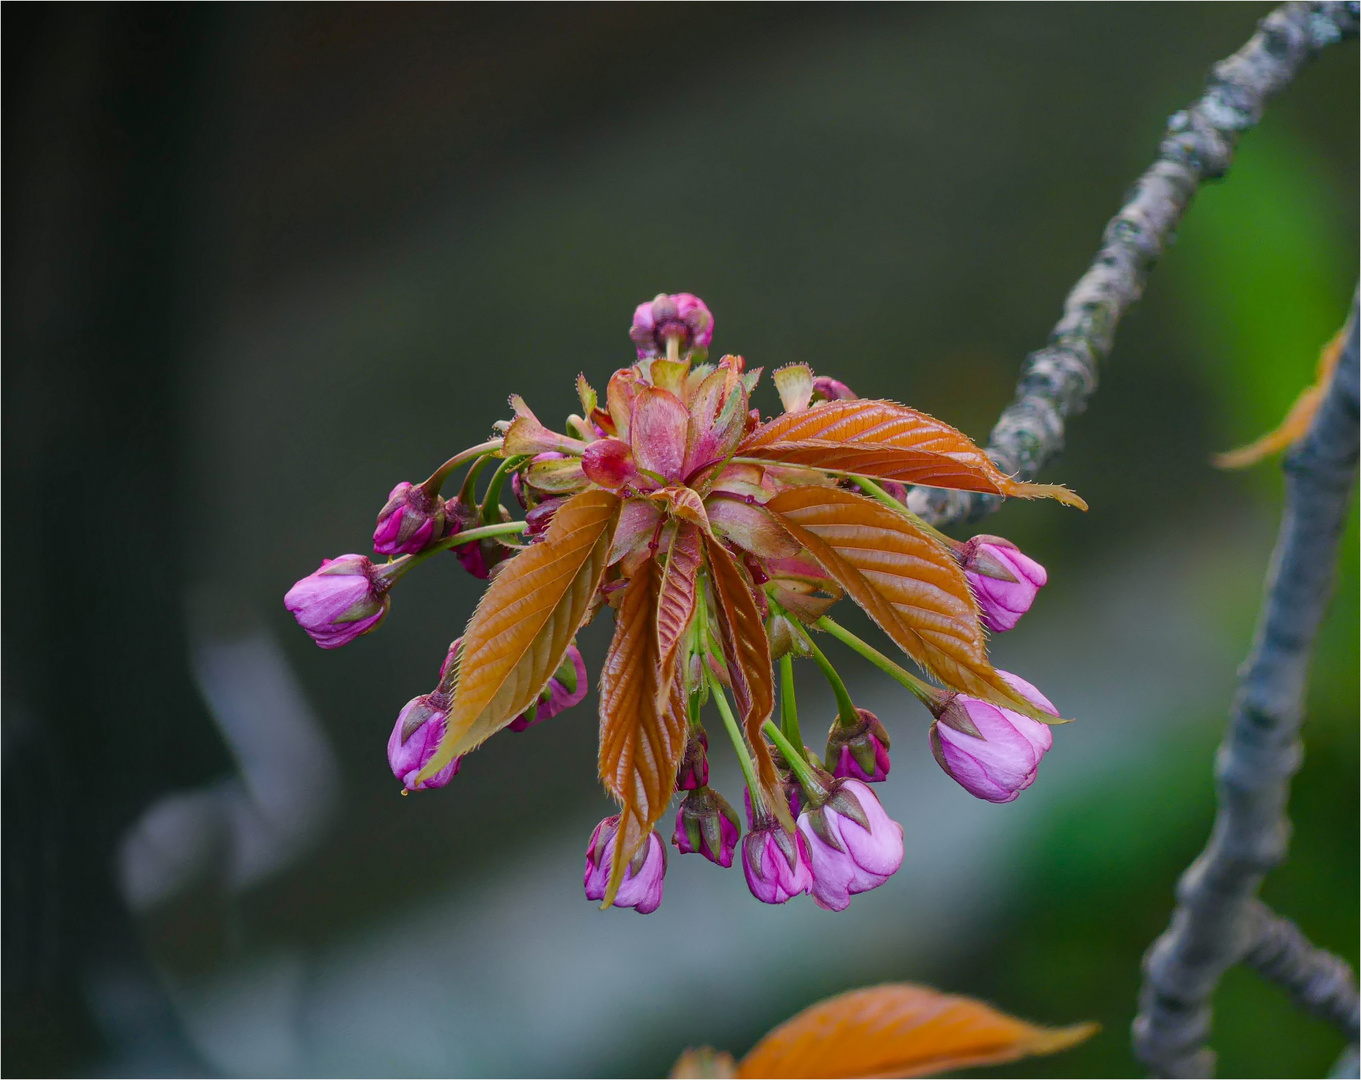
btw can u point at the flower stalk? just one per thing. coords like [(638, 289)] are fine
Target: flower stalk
[(928, 695), (789, 709)]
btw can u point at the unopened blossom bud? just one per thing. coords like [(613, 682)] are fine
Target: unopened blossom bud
[(540, 517), (566, 688), (853, 845), (707, 824), (829, 389), (409, 521), (694, 767), (641, 888), (479, 556), (859, 752), (339, 601), (1003, 580), (415, 738), (776, 864), (1002, 758), (681, 315)]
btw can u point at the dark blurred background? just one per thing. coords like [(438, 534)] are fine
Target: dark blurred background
[(261, 262)]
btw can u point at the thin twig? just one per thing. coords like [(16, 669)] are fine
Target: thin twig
[(1216, 923), (1056, 381), (1317, 981)]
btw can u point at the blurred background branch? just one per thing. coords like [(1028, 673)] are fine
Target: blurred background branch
[(1056, 381), (1218, 921)]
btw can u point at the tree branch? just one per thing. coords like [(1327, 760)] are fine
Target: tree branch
[(1056, 381), (1217, 921), (1317, 981)]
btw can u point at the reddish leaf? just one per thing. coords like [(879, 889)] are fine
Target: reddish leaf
[(676, 605), (527, 436), (893, 1030), (905, 580), (658, 432), (742, 632), (684, 503), (889, 441), (528, 616), (750, 527), (640, 743)]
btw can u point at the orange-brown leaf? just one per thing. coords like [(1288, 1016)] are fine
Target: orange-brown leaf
[(904, 579), (899, 1030), (1297, 420), (892, 442), (525, 621), (640, 743), (742, 632), (676, 604)]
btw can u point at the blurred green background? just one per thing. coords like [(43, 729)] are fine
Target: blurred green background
[(264, 262)]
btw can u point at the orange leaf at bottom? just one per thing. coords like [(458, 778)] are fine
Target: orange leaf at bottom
[(897, 1029)]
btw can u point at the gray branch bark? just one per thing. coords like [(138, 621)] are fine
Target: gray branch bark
[(1316, 980), (1056, 381), (1218, 920)]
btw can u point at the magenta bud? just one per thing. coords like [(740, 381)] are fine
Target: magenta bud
[(409, 522), (681, 315), (1001, 760), (566, 688), (641, 888), (339, 601), (415, 738), (705, 823), (859, 752), (480, 556), (827, 389), (776, 864), (1003, 580), (609, 463), (540, 517), (853, 845), (694, 767)]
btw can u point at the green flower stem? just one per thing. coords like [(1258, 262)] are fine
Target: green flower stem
[(877, 493), (467, 494), (808, 780), (927, 694), (492, 501), (845, 708), (789, 710), (436, 480), (739, 743), (394, 571)]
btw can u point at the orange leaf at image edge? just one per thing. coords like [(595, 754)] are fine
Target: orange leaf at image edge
[(898, 1029)]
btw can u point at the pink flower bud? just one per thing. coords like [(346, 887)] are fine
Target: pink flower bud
[(831, 390), (859, 752), (566, 688), (705, 823), (415, 738), (1001, 760), (1003, 580), (609, 463), (681, 315), (344, 598), (853, 845), (409, 521), (479, 556), (694, 767), (641, 888), (776, 864)]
